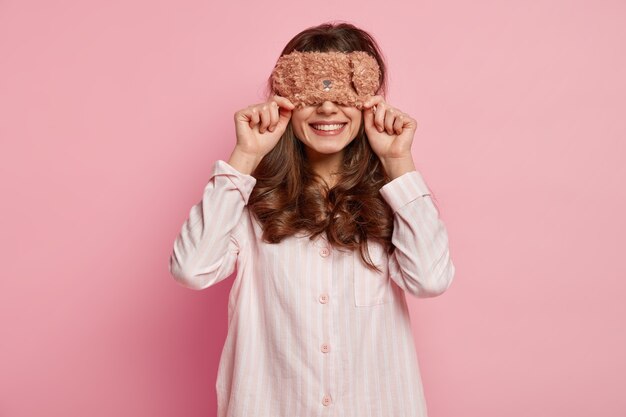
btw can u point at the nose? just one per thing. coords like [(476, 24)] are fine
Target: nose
[(327, 107)]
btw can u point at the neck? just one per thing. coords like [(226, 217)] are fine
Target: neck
[(326, 165)]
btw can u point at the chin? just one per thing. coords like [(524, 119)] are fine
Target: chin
[(327, 148)]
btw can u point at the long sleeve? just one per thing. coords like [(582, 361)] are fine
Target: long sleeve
[(421, 263), (206, 249)]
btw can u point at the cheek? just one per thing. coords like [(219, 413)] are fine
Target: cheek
[(357, 122), (297, 124), (357, 117), (296, 127)]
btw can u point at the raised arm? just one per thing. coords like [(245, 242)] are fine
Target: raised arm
[(206, 249), (421, 263)]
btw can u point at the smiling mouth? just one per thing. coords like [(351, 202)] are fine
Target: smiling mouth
[(328, 129)]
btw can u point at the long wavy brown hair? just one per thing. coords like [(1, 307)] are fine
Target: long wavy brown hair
[(289, 198)]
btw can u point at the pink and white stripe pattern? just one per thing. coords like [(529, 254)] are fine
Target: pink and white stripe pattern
[(312, 331)]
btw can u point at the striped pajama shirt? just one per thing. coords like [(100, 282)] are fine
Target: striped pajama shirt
[(312, 331)]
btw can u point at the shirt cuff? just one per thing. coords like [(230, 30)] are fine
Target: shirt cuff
[(404, 189), (244, 182)]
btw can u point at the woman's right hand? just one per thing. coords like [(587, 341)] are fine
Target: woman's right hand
[(260, 126)]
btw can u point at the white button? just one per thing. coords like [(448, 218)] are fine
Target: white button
[(324, 298), (324, 252), (325, 347), (326, 400)]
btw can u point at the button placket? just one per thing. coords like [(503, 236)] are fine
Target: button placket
[(324, 250)]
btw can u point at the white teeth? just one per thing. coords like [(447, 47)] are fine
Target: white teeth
[(328, 127)]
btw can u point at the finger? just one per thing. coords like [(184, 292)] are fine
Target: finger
[(379, 117), (410, 123), (274, 116), (265, 118), (390, 118), (398, 123), (284, 115), (253, 114), (284, 102), (372, 101), (242, 116)]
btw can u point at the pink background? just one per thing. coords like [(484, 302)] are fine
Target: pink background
[(112, 114)]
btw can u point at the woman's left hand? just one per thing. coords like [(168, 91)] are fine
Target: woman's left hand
[(389, 130)]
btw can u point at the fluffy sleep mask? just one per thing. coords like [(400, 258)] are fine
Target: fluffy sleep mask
[(307, 78)]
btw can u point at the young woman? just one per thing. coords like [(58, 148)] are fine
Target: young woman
[(321, 210)]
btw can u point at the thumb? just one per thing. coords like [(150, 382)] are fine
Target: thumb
[(284, 115), (368, 118)]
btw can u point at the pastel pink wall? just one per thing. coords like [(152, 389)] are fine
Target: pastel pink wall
[(112, 113)]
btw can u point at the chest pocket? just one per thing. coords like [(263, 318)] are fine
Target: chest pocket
[(371, 287)]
